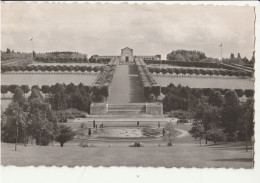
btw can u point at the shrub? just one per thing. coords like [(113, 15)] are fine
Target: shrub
[(249, 93)]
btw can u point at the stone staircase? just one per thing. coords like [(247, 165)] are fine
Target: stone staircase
[(126, 109)]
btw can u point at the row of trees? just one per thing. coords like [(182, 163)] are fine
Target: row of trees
[(99, 60), (180, 98), (151, 87), (192, 64), (184, 98), (106, 75), (52, 68), (62, 97), (11, 54), (200, 71), (60, 60), (32, 118)]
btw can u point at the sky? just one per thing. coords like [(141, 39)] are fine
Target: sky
[(148, 29)]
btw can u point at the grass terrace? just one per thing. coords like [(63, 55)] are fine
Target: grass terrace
[(49, 79), (199, 82)]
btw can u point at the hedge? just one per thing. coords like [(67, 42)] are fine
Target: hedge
[(199, 71), (52, 68)]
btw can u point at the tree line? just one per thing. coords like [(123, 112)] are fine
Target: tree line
[(186, 55), (185, 98), (239, 60), (99, 60), (60, 60)]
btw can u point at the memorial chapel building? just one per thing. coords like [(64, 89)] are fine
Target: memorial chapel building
[(127, 55)]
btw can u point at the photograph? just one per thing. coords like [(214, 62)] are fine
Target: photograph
[(128, 84)]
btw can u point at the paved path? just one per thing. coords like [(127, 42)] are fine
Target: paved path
[(126, 86)]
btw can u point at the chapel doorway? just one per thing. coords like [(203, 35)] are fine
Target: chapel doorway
[(127, 59)]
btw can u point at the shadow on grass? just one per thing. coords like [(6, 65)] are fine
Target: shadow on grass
[(239, 146), (233, 148), (236, 159)]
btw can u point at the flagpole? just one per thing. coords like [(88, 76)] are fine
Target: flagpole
[(221, 53), (32, 45)]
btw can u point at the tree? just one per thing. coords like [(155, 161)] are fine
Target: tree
[(215, 99), (35, 94), (247, 125), (18, 96), (12, 125), (25, 88), (170, 133), (36, 87), (232, 56), (231, 114), (4, 89), (197, 130), (249, 93), (45, 89), (208, 116), (12, 88), (8, 50), (43, 122), (65, 134), (9, 123), (253, 58), (238, 56), (239, 92), (216, 134)]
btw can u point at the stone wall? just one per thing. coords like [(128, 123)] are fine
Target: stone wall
[(154, 108), (98, 108)]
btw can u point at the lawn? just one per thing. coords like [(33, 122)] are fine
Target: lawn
[(49, 79), (119, 154), (197, 82)]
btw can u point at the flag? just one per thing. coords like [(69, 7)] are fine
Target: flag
[(31, 39), (220, 45)]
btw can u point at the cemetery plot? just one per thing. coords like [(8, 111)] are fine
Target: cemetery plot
[(165, 66), (193, 82), (49, 79), (69, 64)]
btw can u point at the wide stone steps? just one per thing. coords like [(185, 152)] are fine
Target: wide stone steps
[(128, 116), (126, 106), (125, 112), (120, 109)]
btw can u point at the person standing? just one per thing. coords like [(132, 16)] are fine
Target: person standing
[(94, 123), (137, 123), (163, 132), (159, 124), (89, 132)]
